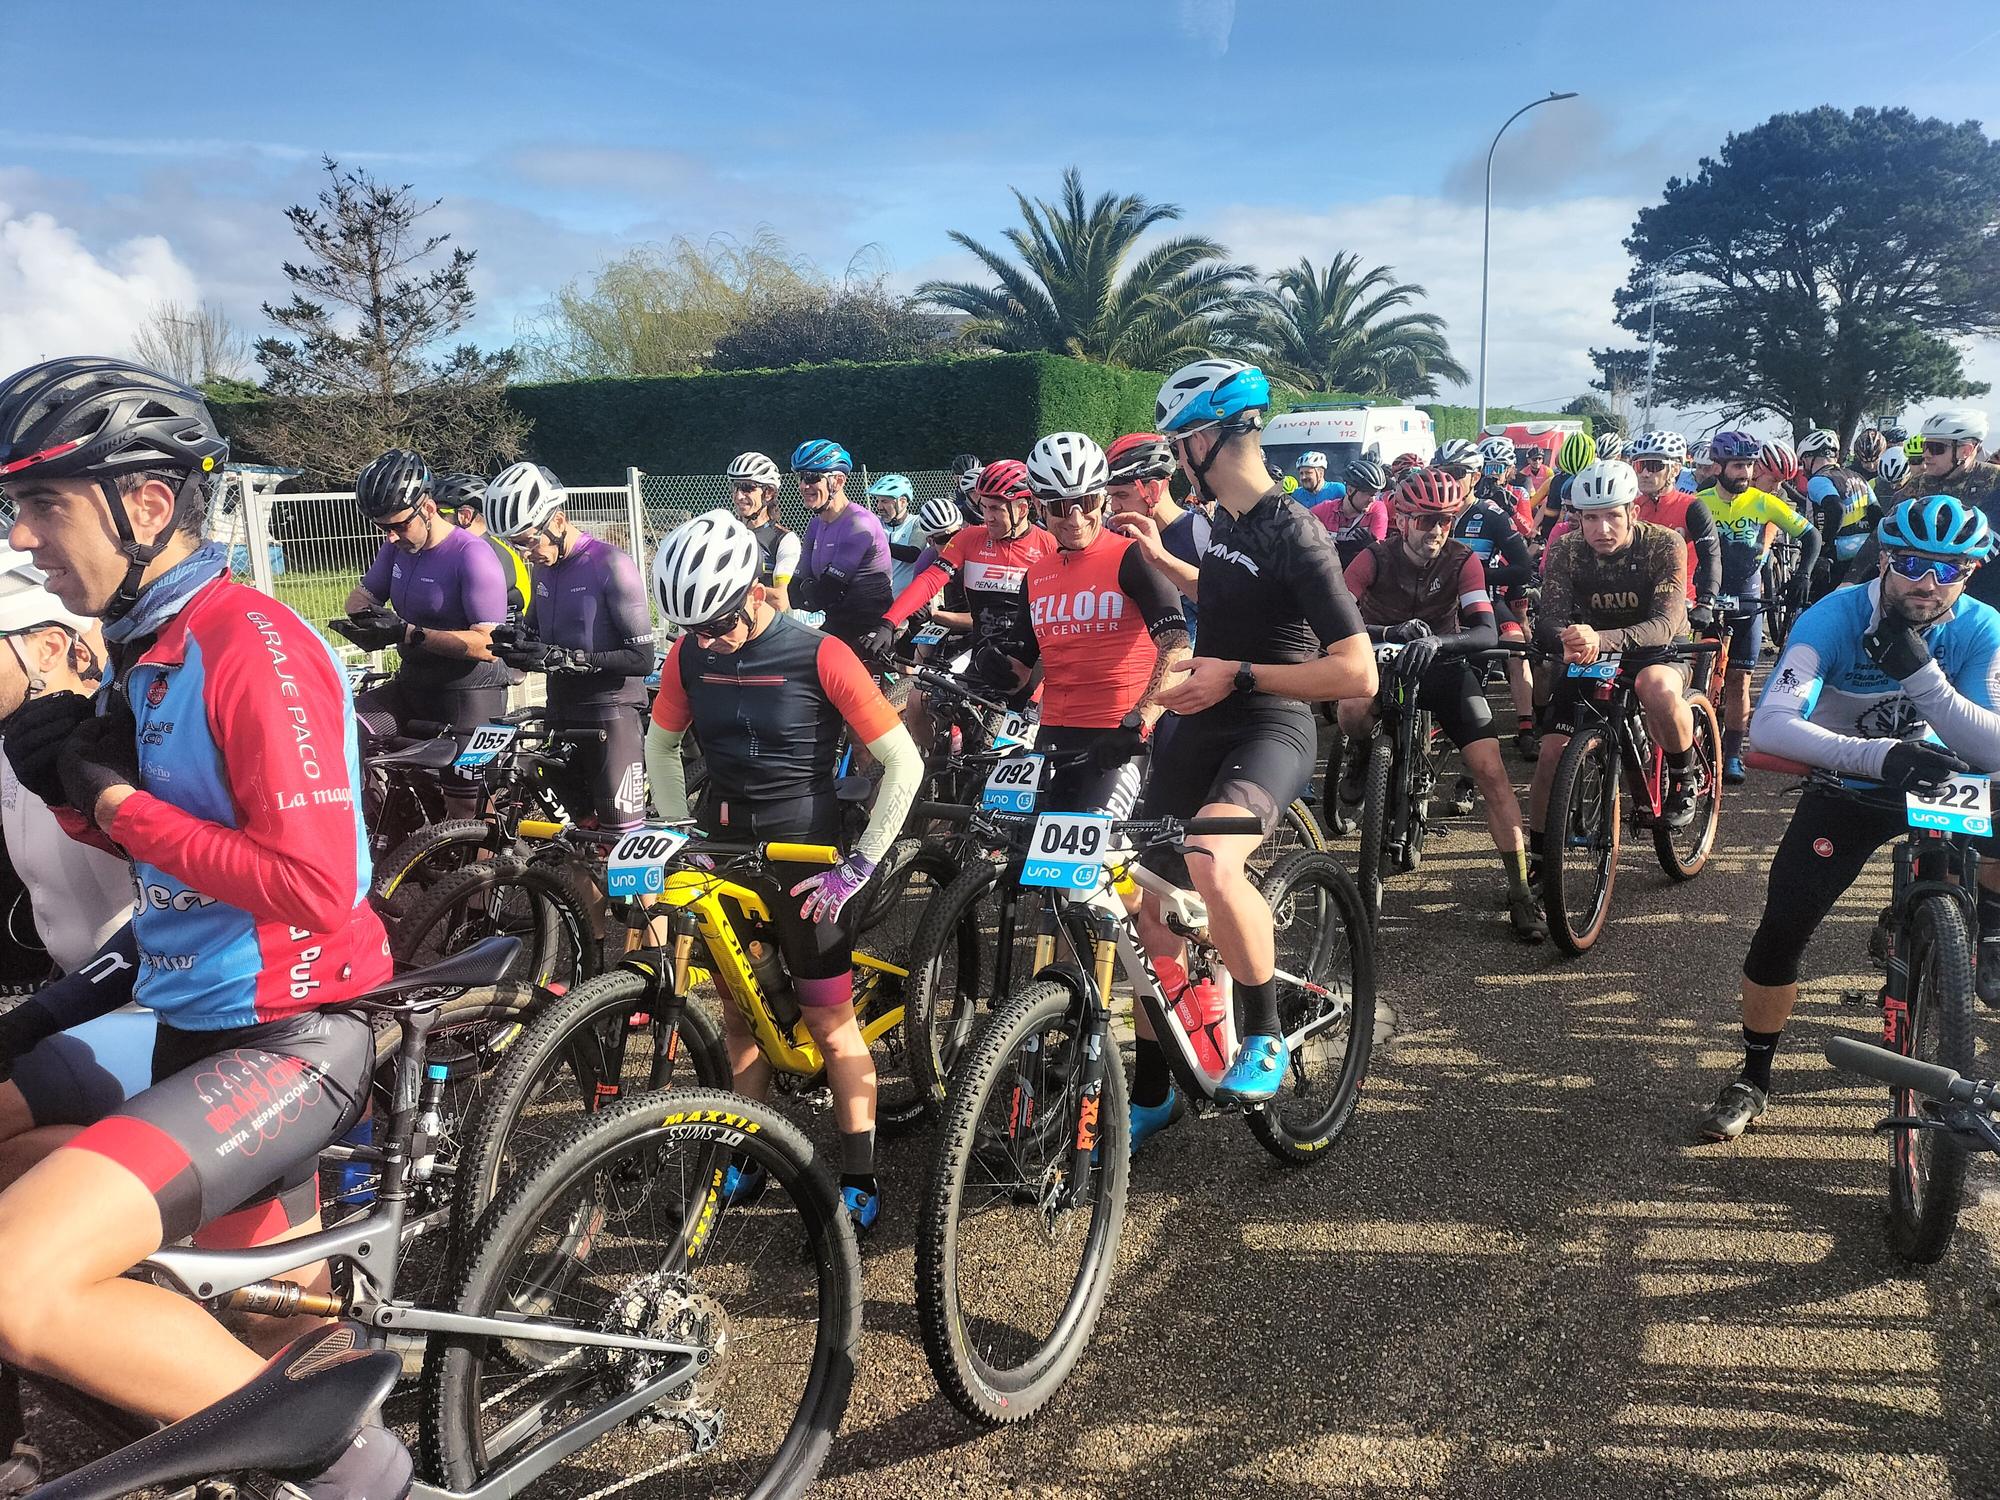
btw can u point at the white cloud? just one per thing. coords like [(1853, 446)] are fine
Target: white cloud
[(1208, 23), (59, 297)]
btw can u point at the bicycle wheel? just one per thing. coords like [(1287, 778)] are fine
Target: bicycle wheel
[(1372, 855), (1014, 1254), (1580, 844), (1927, 1167), (622, 1228), (424, 858), (954, 978), (1296, 828), (1325, 942), (581, 1053), (1684, 852), (536, 903), (901, 892)]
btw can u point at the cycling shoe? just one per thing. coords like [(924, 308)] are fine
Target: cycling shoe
[(1740, 1102), (1733, 773), (1257, 1074), (1148, 1120), (1526, 919), (863, 1207), (744, 1183), (1677, 808)]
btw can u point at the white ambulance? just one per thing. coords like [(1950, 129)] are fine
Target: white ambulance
[(1347, 431)]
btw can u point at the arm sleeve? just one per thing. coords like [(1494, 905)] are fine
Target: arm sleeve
[(671, 709), (1667, 620), (1476, 628), (665, 773), (94, 988), (376, 579), (631, 620), (531, 619), (785, 563), (902, 773), (1707, 544), (1782, 726), (482, 587), (928, 583), (1515, 568), (1558, 607), (1965, 721), (1158, 600), (278, 711)]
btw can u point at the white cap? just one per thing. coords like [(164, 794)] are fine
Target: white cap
[(25, 600)]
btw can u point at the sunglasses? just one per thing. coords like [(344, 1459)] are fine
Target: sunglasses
[(1087, 504), (1428, 523), (747, 486), (810, 481), (1930, 447), (1650, 465), (1913, 565), (720, 625), (398, 528)]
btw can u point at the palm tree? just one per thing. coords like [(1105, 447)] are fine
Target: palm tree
[(1082, 287), (1327, 330)]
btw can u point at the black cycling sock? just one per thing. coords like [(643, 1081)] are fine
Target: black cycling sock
[(375, 1464), (1680, 762), (857, 1156), (1732, 743), (1151, 1082), (1759, 1047), (1524, 723), (862, 1180), (1260, 1008)]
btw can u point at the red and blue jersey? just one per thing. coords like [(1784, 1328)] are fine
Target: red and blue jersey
[(250, 859)]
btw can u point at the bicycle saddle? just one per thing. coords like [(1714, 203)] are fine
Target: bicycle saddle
[(303, 1408), (485, 962), (426, 755)]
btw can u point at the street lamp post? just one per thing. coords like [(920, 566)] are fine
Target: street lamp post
[(1486, 246), (1652, 318)]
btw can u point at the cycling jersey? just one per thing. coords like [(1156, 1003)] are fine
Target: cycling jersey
[(768, 714), (1635, 599), (1448, 593), (250, 859), (1350, 532), (455, 584), (906, 542), (1327, 493), (1844, 507), (1680, 511), (1826, 704), (846, 573), (1490, 530), (1740, 520), (1186, 538), (1099, 616), (995, 576), (1271, 589), (514, 569), (591, 600), (780, 547)]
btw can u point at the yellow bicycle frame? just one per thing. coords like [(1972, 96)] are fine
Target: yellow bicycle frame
[(703, 893)]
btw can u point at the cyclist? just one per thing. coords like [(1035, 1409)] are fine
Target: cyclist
[(590, 629), (846, 556), (753, 488), (1948, 462), (1490, 526), (1426, 589), (1312, 487), (1500, 481), (1867, 450), (1776, 472), (891, 496), (1610, 444), (1870, 680), (1656, 459), (766, 695), (965, 469), (1746, 517), (1142, 466), (224, 766), (1702, 465), (1578, 452), (1279, 631), (1891, 469), (445, 593), (991, 561), (462, 498), (1531, 470), (1616, 583), (1843, 506), (1360, 518)]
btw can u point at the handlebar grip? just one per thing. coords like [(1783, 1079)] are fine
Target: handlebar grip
[(942, 812), (539, 828), (1233, 823), (1891, 1067), (802, 854), (1763, 761)]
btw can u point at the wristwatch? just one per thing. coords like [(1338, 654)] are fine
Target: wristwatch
[(1246, 680), (417, 635)]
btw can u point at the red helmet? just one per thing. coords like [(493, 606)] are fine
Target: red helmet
[(1430, 492), (1777, 456), (1405, 462), (1005, 479), (1140, 455)]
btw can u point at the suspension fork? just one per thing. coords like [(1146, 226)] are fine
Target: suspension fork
[(1094, 1033)]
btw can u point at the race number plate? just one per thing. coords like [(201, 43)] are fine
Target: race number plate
[(355, 677), (487, 741), (1959, 806), (638, 865), (930, 635), (1602, 670), (1067, 852), (1011, 786), (1015, 730), (1728, 604)]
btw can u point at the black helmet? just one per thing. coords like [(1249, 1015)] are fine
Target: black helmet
[(398, 480), (454, 490), (1366, 474), (89, 417), (964, 463)]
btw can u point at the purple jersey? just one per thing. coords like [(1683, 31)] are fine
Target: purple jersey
[(847, 567), (591, 601), (454, 585)]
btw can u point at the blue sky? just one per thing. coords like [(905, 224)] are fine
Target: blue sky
[(560, 135)]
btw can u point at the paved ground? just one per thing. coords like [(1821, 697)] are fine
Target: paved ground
[(1517, 1275)]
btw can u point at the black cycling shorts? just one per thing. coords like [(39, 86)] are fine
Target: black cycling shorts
[(604, 781), (228, 1137), (460, 708), (1568, 692), (812, 950), (1829, 841), (1451, 689), (1253, 751), (1745, 632), (1084, 787)]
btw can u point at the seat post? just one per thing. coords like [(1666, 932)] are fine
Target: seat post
[(411, 1053)]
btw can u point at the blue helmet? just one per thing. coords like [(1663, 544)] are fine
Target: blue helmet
[(1939, 525), (1209, 391), (893, 487), (1730, 447), (821, 456)]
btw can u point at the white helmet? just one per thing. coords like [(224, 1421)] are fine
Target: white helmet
[(25, 600), (1610, 445), (1661, 442), (1820, 440), (1067, 466), (521, 498), (1456, 453), (1893, 465), (705, 567), (754, 467), (1600, 486), (1313, 460), (1498, 449), (1956, 426), (939, 518)]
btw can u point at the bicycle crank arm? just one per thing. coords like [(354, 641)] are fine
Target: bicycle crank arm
[(519, 1326)]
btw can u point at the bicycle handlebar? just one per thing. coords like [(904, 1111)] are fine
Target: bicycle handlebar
[(1895, 1069), (1221, 824)]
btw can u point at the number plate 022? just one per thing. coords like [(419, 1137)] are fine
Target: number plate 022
[(1958, 806)]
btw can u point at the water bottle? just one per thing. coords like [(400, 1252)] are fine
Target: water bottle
[(779, 995), (1198, 1005)]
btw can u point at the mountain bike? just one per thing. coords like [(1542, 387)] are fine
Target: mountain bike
[(1406, 753), (633, 1028), (611, 1293), (1019, 1227), (1611, 754)]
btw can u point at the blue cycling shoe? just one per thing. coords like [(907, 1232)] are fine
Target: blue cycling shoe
[(1732, 771), (1257, 1074), (1148, 1120), (744, 1183), (863, 1207)]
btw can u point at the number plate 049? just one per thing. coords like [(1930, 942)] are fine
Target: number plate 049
[(1067, 852)]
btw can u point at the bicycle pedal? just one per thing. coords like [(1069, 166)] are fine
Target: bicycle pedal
[(1859, 998)]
